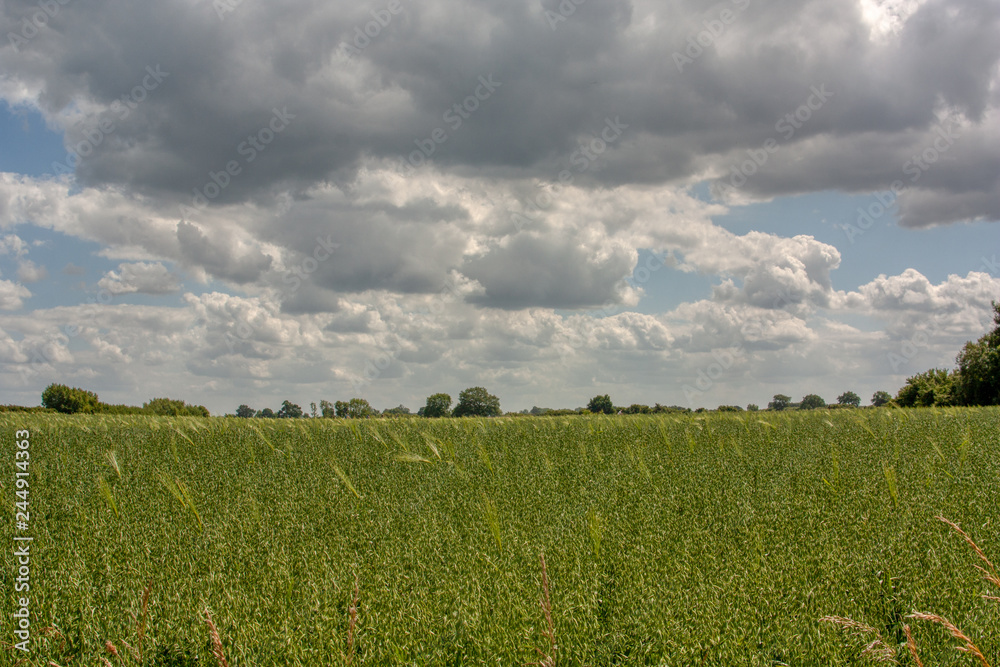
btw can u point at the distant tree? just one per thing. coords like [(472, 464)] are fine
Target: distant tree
[(779, 402), (535, 410), (266, 413), (637, 409), (438, 405), (753, 407), (849, 398), (356, 408), (289, 410), (978, 380), (170, 407), (811, 402), (729, 408), (244, 411), (934, 387), (313, 411), (601, 404), (327, 409), (880, 398), (477, 402), (70, 400), (397, 411)]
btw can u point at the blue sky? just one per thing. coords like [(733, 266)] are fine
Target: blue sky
[(317, 268)]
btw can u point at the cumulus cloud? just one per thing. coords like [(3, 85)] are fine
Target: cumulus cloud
[(12, 295), (141, 277)]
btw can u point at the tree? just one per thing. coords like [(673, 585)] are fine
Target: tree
[(70, 400), (398, 410), (753, 407), (880, 398), (266, 413), (289, 410), (849, 398), (637, 409), (811, 402), (171, 407), (477, 402), (327, 409), (356, 408), (313, 411), (601, 404), (729, 408), (934, 387), (978, 381), (779, 402), (244, 411), (438, 405)]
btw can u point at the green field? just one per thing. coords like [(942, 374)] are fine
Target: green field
[(685, 540)]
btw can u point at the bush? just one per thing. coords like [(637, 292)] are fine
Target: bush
[(70, 400)]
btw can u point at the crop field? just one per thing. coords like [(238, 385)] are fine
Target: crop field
[(667, 540)]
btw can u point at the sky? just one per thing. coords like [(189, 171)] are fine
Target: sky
[(676, 202)]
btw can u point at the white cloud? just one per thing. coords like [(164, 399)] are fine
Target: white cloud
[(12, 295), (141, 277)]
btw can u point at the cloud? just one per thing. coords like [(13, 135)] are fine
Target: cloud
[(29, 272), (12, 295), (141, 277)]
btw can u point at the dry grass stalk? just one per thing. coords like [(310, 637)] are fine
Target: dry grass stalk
[(912, 645), (547, 659), (876, 649), (111, 648), (216, 641), (352, 626), (967, 645), (989, 574)]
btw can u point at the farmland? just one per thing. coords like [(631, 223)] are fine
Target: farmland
[(685, 540)]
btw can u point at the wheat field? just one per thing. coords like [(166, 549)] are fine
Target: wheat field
[(719, 539)]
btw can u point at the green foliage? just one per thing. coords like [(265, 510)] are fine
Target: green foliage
[(244, 411), (753, 407), (438, 405), (711, 539), (779, 402), (70, 400), (168, 407), (729, 408), (327, 409), (811, 402), (266, 413), (849, 399), (637, 409), (601, 404), (978, 381), (477, 402), (289, 410), (22, 408), (356, 408), (880, 398), (933, 387), (398, 411)]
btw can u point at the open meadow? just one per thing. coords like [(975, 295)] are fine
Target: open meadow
[(720, 539)]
